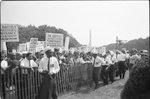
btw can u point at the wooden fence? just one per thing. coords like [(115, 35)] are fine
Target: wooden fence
[(24, 83)]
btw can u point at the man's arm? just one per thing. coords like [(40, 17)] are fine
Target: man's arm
[(34, 64), (40, 68), (56, 66)]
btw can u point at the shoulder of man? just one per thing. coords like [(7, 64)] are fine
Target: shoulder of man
[(32, 60), (43, 58), (54, 58), (99, 58), (23, 60)]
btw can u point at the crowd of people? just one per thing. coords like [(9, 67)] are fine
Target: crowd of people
[(105, 66)]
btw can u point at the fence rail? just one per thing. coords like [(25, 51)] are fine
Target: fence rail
[(25, 83)]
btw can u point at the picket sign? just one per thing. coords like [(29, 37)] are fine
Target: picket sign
[(9, 33), (67, 43), (22, 47), (54, 40), (32, 46), (40, 46), (3, 46)]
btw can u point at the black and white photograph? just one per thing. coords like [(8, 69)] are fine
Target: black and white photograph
[(75, 49)]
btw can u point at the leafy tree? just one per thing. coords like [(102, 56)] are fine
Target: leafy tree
[(27, 32), (140, 44)]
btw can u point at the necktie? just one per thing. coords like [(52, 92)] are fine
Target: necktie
[(29, 64), (48, 64), (94, 62)]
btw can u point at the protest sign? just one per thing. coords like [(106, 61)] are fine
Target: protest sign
[(22, 47), (39, 43), (9, 33), (54, 40), (3, 46), (67, 43), (32, 46), (40, 46), (28, 45)]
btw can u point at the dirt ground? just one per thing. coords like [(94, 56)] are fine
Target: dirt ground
[(111, 91)]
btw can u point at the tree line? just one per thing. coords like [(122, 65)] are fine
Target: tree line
[(31, 31), (139, 44)]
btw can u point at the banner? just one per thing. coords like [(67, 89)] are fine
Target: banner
[(40, 46), (9, 33), (32, 46), (67, 43), (39, 43), (54, 40), (3, 46), (22, 47), (28, 45)]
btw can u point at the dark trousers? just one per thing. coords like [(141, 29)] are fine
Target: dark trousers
[(24, 86), (130, 66), (96, 71), (111, 73), (3, 87), (104, 74), (122, 69), (47, 88), (128, 63)]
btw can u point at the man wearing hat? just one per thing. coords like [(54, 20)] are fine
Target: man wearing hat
[(26, 66), (121, 57), (97, 62), (48, 67)]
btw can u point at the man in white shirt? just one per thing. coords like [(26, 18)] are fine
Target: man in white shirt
[(121, 57), (26, 66), (127, 59), (28, 62), (110, 66), (104, 72), (97, 62), (48, 66)]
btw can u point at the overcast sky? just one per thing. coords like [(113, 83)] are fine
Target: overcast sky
[(106, 19)]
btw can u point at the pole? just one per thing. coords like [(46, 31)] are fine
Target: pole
[(90, 43), (116, 42)]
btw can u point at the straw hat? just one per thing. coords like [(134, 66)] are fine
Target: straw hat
[(47, 49)]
